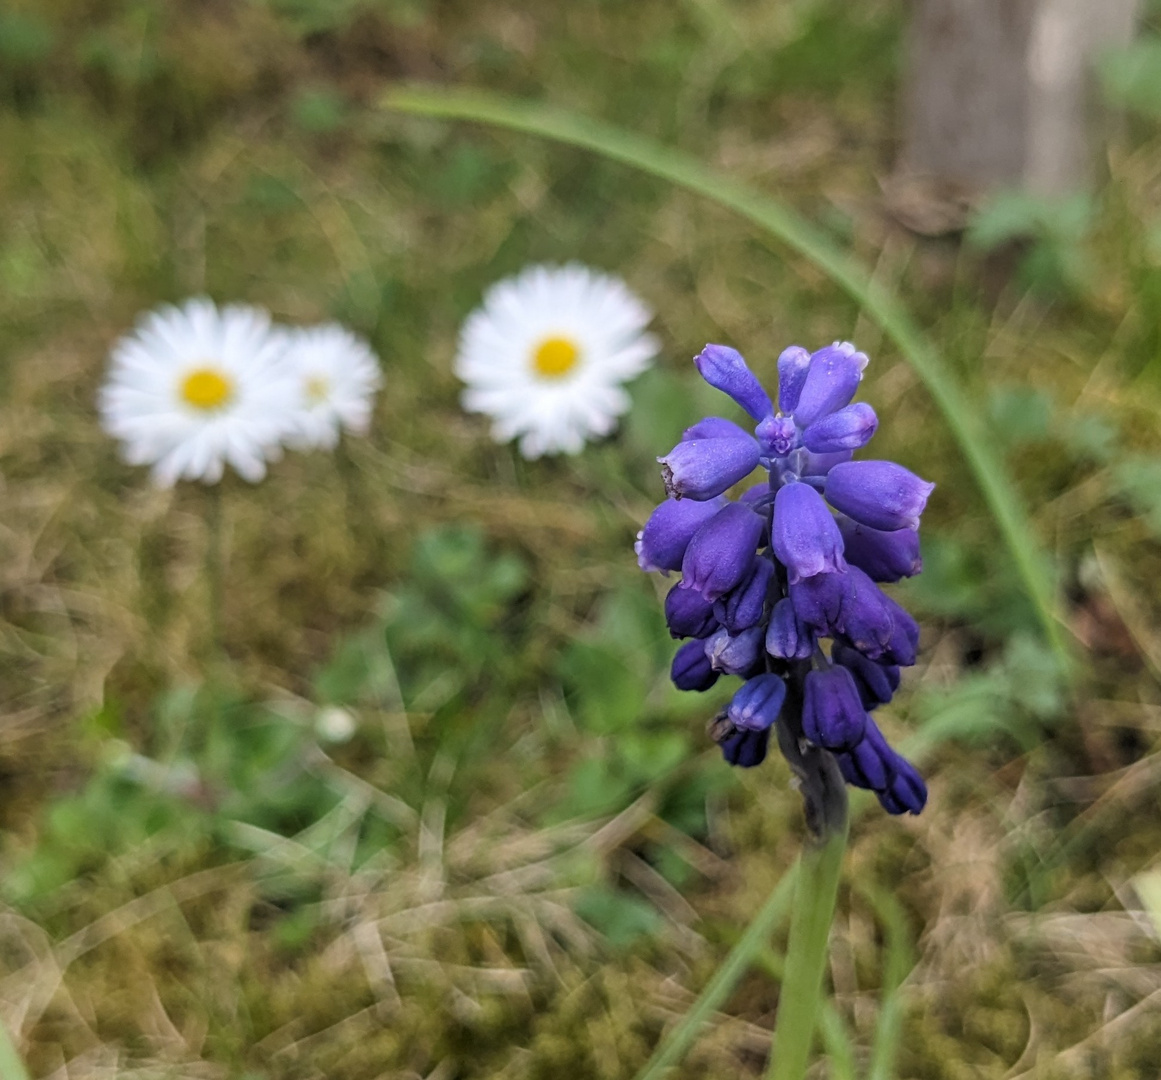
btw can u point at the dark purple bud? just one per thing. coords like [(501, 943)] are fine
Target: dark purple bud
[(830, 383), (906, 793), (662, 542), (735, 654), (760, 498), (757, 703), (793, 365), (879, 494), (832, 714), (876, 682), (867, 617), (868, 764), (703, 468), (806, 537), (714, 427), (883, 556), (818, 601), (847, 429), (744, 606), (903, 644), (821, 464), (721, 552), (777, 435), (745, 748), (787, 637), (691, 668), (689, 614), (724, 368)]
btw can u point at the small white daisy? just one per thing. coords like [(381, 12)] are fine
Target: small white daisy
[(337, 375), (195, 387), (546, 353)]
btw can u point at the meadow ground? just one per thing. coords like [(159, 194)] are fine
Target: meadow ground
[(528, 859)]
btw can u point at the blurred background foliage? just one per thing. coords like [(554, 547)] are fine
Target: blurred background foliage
[(454, 821)]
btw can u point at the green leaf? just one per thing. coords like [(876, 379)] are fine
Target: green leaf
[(1131, 76), (622, 917)]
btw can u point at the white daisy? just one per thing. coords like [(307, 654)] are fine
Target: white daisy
[(337, 375), (546, 353), (195, 387)]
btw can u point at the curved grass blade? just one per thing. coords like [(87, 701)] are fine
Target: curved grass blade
[(796, 232)]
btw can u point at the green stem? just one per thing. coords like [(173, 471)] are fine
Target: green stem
[(11, 1067), (719, 988), (215, 574), (799, 998), (961, 418)]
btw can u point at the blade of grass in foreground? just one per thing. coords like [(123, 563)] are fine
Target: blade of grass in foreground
[(11, 1067), (797, 233)]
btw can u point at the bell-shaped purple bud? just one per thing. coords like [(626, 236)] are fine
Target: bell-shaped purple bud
[(757, 703), (820, 464), (831, 380), (902, 646), (787, 637), (906, 791), (744, 606), (691, 669), (777, 435), (847, 429), (832, 714), (876, 682), (703, 468), (689, 614), (805, 537), (818, 601), (662, 542), (793, 365), (745, 748), (714, 427), (867, 765), (721, 552), (882, 556), (867, 616), (879, 494), (735, 654), (724, 368)]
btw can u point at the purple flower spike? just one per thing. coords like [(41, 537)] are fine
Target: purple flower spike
[(806, 537), (757, 704), (883, 556), (689, 614), (721, 553), (704, 468), (879, 494), (714, 427), (787, 637), (745, 748), (831, 381), (662, 542), (691, 669), (847, 429), (735, 654), (793, 365), (744, 606), (876, 682), (724, 369), (832, 714)]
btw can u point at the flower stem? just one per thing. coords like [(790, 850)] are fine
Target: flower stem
[(215, 573), (799, 998)]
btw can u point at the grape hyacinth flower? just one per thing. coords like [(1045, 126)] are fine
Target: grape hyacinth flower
[(790, 564)]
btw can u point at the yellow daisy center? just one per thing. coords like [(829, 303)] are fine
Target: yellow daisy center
[(554, 357), (207, 389), (316, 389)]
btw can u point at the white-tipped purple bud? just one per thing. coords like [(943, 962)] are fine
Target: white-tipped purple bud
[(805, 536), (735, 654), (689, 614), (847, 429), (662, 542), (879, 494), (724, 368), (793, 365), (757, 703), (882, 556), (744, 606), (704, 468), (787, 636), (830, 383), (714, 427), (721, 552), (691, 669), (832, 714)]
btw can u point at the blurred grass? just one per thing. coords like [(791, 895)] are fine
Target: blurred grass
[(526, 860)]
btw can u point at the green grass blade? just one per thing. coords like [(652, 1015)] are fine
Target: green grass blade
[(897, 963), (11, 1067), (741, 956), (962, 419)]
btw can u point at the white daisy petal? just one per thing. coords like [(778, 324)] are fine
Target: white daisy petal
[(196, 387), (546, 352)]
